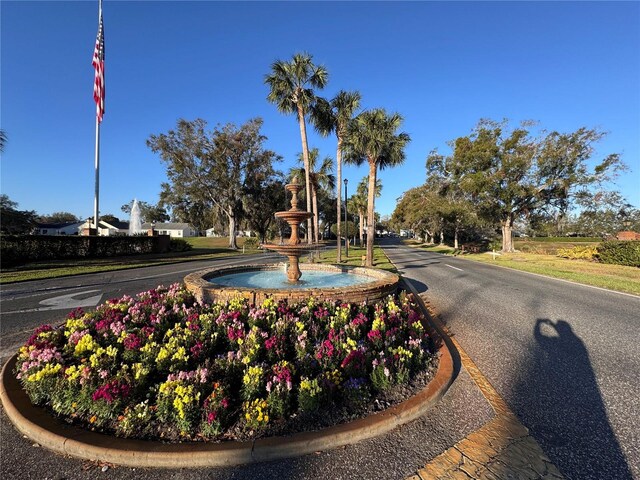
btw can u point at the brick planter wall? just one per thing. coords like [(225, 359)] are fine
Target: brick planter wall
[(202, 284)]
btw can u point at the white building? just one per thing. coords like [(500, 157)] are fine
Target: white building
[(107, 229), (66, 228), (178, 230)]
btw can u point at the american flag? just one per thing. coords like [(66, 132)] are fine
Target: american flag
[(98, 65)]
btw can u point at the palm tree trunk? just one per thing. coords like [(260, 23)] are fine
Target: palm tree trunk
[(371, 208), (361, 215), (305, 157), (339, 197), (316, 219)]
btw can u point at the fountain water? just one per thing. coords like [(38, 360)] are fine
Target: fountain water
[(135, 222)]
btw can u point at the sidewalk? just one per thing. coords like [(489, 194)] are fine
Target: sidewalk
[(501, 450)]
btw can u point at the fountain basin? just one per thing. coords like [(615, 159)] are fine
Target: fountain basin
[(369, 284)]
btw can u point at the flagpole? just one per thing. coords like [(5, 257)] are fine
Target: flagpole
[(97, 165), (99, 111)]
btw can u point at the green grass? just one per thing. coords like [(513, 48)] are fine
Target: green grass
[(558, 239), (432, 248), (550, 245), (613, 277), (380, 260), (204, 248)]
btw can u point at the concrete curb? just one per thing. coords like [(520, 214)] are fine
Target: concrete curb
[(41, 427)]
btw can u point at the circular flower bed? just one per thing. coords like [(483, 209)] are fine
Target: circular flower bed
[(162, 365)]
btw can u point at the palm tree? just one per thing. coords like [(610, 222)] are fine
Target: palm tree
[(322, 178), (372, 138), (359, 202), (292, 86), (330, 117)]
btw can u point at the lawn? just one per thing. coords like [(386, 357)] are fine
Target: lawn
[(550, 245), (380, 260), (613, 277)]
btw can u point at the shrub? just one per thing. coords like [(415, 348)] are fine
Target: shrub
[(587, 252), (620, 253), (251, 243), (179, 245), (17, 249)]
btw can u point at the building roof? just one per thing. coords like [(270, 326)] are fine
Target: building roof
[(103, 224), (57, 225)]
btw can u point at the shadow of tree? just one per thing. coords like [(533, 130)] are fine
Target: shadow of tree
[(560, 402)]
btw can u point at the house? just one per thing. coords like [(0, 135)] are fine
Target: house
[(106, 229), (628, 235), (178, 230), (211, 232), (66, 228)]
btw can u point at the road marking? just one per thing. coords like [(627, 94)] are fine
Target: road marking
[(64, 302), (455, 268)]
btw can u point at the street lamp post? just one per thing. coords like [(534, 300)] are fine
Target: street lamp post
[(346, 221)]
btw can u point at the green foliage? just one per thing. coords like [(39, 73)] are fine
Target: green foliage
[(348, 228), (179, 245), (562, 239), (373, 137), (508, 174), (17, 250), (251, 243), (58, 217), (620, 253), (579, 252), (214, 170), (148, 212), (15, 221), (291, 87)]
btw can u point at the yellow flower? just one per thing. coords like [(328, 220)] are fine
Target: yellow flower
[(85, 344), (48, 370), (73, 325), (73, 372)]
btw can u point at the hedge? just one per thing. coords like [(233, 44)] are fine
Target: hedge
[(19, 249), (620, 252)]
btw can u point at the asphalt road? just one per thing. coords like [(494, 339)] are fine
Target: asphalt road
[(396, 455), (564, 356)]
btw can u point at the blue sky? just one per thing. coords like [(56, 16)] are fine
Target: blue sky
[(443, 66)]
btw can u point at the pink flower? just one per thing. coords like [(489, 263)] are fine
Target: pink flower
[(111, 391), (132, 342), (374, 336)]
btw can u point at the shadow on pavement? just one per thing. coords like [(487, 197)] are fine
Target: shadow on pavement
[(560, 402), (418, 285)]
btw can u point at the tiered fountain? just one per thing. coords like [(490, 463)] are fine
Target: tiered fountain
[(294, 217), (321, 281)]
